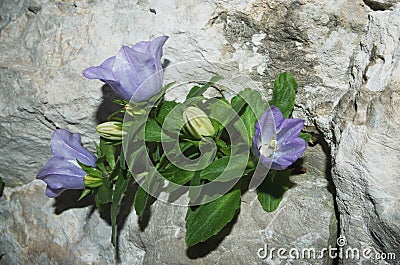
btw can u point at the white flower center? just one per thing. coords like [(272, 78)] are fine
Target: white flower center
[(268, 150)]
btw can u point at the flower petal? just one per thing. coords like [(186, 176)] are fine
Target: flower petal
[(60, 173), (68, 145), (155, 47), (289, 151), (52, 193), (267, 124), (290, 128), (130, 68), (149, 87), (102, 72)]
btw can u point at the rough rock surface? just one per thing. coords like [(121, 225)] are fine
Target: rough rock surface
[(38, 230), (344, 54), (366, 135)]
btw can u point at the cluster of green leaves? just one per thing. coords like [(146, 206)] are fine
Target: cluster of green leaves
[(206, 220), (230, 160)]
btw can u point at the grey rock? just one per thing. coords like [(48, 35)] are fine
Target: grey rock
[(37, 230), (304, 219), (365, 150), (344, 54)]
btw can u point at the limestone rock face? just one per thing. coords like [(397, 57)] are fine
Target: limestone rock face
[(38, 230), (365, 151), (344, 54)]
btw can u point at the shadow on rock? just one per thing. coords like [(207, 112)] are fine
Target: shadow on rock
[(204, 248), (107, 106), (69, 200)]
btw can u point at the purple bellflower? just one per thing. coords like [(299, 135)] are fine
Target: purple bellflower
[(62, 171), (135, 72), (276, 139)]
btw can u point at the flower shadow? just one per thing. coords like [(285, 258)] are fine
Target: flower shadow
[(69, 200), (107, 106)]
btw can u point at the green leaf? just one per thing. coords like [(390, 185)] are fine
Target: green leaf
[(100, 165), (284, 94), (223, 147), (164, 110), (305, 136), (177, 175), (104, 193), (150, 184), (84, 193), (197, 91), (208, 219), (91, 170), (120, 188), (221, 111), (271, 190), (136, 157), (253, 99), (107, 149), (140, 202), (121, 102), (195, 188), (153, 132), (225, 168), (249, 120)]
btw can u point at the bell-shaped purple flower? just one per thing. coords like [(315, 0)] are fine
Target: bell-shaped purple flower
[(62, 171), (276, 139), (135, 72)]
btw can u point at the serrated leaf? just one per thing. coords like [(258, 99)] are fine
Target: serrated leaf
[(271, 190), (225, 169), (284, 94), (208, 219)]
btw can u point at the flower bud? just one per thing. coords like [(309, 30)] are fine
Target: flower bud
[(197, 123), (111, 130), (92, 181)]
